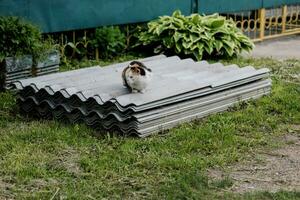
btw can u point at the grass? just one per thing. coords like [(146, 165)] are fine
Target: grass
[(75, 64), (42, 159)]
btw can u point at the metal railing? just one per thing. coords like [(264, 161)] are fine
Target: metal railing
[(268, 23)]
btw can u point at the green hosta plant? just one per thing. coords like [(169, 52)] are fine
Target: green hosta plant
[(196, 35)]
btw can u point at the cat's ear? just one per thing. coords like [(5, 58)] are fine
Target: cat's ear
[(132, 63), (142, 71), (148, 69), (140, 64)]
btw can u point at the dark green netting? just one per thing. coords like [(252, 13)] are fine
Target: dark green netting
[(224, 6), (274, 3), (63, 15)]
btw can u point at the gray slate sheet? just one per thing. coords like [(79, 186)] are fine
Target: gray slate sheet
[(181, 90)]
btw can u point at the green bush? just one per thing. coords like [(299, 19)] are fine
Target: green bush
[(110, 41), (19, 37), (195, 35)]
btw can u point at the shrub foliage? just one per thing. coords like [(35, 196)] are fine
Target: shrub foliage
[(19, 37), (110, 41), (195, 35)]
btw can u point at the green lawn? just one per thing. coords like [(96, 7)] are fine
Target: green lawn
[(43, 159)]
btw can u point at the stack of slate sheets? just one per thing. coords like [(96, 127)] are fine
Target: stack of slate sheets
[(19, 68), (181, 90)]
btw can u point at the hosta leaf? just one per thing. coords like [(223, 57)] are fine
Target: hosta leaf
[(217, 23), (177, 36), (194, 46), (200, 46), (152, 27), (186, 51), (207, 17), (209, 49), (178, 47), (176, 13), (168, 42), (178, 23), (220, 31), (218, 45), (197, 55), (185, 44), (171, 26), (228, 50), (194, 38), (195, 18), (195, 29), (200, 29), (186, 37), (159, 30), (158, 49), (229, 43)]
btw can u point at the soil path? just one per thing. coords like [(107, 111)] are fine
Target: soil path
[(268, 170), (281, 48)]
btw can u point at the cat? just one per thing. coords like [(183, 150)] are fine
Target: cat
[(136, 77)]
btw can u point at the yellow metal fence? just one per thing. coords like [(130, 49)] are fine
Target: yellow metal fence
[(268, 23)]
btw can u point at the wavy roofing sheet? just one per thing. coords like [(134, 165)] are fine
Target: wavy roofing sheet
[(180, 90), (21, 68)]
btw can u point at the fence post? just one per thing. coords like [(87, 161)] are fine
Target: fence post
[(284, 14), (195, 6), (262, 21), (97, 54)]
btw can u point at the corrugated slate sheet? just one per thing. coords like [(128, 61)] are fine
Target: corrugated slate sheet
[(181, 90), (20, 68)]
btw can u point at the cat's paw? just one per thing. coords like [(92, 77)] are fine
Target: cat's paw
[(142, 91)]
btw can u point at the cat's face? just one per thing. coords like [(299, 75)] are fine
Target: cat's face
[(133, 75), (138, 68), (135, 69)]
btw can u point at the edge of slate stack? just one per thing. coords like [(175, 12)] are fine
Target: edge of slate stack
[(181, 90), (15, 69)]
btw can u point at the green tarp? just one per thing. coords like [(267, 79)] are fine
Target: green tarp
[(273, 3), (63, 15), (227, 6), (224, 6)]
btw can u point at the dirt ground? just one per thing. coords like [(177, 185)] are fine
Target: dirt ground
[(271, 171)]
